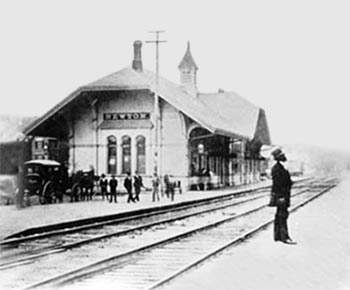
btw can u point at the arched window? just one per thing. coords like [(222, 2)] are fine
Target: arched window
[(141, 154), (111, 155), (126, 152)]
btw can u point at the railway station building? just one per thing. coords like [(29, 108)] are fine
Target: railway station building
[(133, 121)]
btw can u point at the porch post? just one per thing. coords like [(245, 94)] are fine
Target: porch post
[(241, 162)]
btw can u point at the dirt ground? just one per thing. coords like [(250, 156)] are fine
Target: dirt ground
[(319, 261)]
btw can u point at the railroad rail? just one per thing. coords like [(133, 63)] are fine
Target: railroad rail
[(31, 249), (101, 221), (180, 234)]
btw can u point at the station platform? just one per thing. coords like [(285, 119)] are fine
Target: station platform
[(319, 261), (14, 220)]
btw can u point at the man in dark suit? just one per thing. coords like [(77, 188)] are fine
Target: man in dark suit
[(128, 187), (281, 187), (137, 185), (169, 186), (103, 185), (113, 183)]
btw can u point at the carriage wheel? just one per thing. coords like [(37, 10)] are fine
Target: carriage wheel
[(47, 193)]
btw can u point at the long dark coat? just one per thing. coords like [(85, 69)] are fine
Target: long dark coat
[(103, 183), (281, 182), (128, 184), (138, 183), (113, 183)]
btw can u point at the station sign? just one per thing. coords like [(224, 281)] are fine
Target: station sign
[(126, 116)]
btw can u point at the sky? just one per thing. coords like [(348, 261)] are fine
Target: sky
[(292, 58)]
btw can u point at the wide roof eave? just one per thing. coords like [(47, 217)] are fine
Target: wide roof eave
[(88, 88)]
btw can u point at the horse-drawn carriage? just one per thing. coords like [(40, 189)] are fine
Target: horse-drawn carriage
[(45, 178), (50, 181)]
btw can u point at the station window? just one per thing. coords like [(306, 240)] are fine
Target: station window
[(126, 154), (112, 155), (38, 144), (141, 154)]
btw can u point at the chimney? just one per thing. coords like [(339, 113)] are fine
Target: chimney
[(137, 61)]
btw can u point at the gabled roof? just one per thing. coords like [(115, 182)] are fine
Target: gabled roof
[(126, 78), (226, 114), (187, 61), (241, 114)]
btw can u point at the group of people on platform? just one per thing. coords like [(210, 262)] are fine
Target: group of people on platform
[(129, 183), (133, 186)]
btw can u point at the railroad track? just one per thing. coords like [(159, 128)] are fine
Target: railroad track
[(178, 235), (87, 224), (81, 225), (33, 249), (24, 249)]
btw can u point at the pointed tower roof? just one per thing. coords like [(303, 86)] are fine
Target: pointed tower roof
[(187, 60)]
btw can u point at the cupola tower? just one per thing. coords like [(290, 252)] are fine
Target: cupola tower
[(188, 72)]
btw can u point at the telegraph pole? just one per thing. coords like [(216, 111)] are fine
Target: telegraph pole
[(156, 104)]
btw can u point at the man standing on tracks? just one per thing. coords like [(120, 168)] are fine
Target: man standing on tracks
[(281, 187)]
